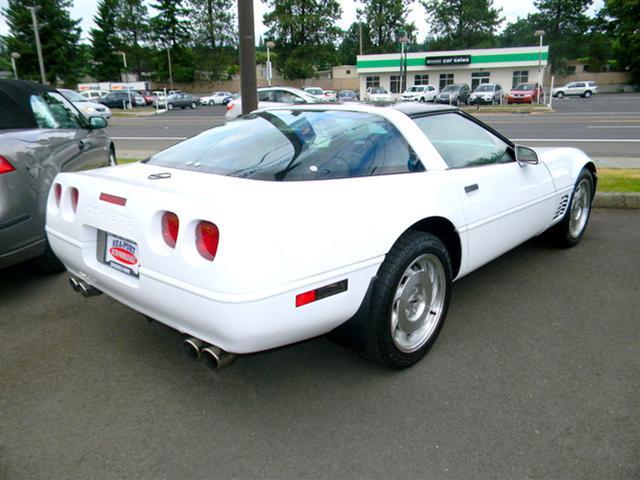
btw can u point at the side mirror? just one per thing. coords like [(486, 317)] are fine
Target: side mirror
[(97, 122), (526, 156)]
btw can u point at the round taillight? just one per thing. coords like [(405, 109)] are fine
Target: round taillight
[(57, 193), (207, 238), (170, 227), (75, 195)]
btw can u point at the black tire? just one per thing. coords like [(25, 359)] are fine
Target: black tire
[(113, 160), (381, 347), (170, 106), (561, 234), (587, 94), (47, 263), (422, 99), (560, 94), (193, 105)]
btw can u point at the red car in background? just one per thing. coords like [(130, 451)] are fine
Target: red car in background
[(148, 97), (524, 93)]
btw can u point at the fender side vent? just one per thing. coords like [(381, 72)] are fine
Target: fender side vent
[(562, 207)]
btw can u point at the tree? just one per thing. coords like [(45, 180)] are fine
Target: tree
[(170, 32), (521, 33), (621, 21), (132, 24), (384, 18), (59, 35), (462, 24), (349, 47), (565, 23), (105, 41), (305, 34)]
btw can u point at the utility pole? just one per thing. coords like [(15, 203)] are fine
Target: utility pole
[(14, 56), (540, 33), (126, 77), (270, 45), (170, 70), (38, 46), (360, 35), (248, 81)]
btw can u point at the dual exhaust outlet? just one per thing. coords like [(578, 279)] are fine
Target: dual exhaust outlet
[(212, 356)]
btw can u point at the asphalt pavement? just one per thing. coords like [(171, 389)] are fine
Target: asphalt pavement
[(535, 375), (606, 127)]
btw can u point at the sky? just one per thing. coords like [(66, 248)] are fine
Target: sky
[(511, 10)]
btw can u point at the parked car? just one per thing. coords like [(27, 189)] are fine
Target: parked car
[(420, 93), (347, 96), (193, 252), (86, 106), (216, 98), (148, 96), (455, 94), (331, 95), (182, 100), (377, 95), (316, 92), (93, 94), (524, 93), (118, 99), (138, 100), (487, 93), (582, 89), (41, 134), (273, 97)]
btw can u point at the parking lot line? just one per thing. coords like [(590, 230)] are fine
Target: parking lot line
[(613, 126)]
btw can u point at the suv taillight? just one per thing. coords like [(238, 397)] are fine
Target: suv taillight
[(170, 227), (5, 166), (230, 105), (75, 195), (207, 238)]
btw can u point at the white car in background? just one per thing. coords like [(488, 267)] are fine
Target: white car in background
[(93, 94), (216, 98), (86, 106), (579, 89), (420, 93), (316, 92), (273, 97), (331, 95), (377, 95), (247, 236), (490, 93)]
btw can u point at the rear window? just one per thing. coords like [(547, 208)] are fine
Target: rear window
[(294, 145)]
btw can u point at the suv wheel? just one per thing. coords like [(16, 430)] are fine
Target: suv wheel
[(587, 94), (560, 94)]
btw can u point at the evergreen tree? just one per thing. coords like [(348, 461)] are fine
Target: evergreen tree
[(59, 36), (132, 25), (169, 26), (305, 34), (384, 19), (105, 41), (621, 20), (349, 48), (460, 24)]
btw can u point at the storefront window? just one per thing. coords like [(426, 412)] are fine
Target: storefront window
[(445, 79), (478, 78), (395, 83), (520, 76), (373, 82), (421, 80)]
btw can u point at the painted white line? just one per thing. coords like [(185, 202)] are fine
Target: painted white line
[(577, 140), (613, 126), (149, 138)]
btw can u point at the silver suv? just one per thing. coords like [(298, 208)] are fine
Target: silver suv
[(583, 89)]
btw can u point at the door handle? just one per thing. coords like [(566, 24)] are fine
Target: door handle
[(82, 144), (471, 188)]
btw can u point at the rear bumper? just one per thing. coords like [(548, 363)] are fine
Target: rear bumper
[(237, 323), (520, 100)]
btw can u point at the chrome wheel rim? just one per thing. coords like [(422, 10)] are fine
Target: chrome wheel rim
[(580, 207), (418, 303)]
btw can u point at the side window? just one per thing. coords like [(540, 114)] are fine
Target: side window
[(64, 115), (463, 143), (264, 96)]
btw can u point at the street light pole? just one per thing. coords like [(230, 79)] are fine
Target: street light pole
[(38, 46), (126, 78), (269, 71), (402, 38), (540, 33), (14, 57), (248, 81)]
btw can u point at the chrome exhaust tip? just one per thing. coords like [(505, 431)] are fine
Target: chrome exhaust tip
[(215, 358), (83, 288), (193, 346)]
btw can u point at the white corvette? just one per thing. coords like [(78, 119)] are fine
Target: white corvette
[(296, 221)]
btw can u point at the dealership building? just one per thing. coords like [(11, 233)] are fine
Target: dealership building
[(504, 66)]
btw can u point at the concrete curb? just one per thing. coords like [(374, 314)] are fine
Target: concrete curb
[(616, 200)]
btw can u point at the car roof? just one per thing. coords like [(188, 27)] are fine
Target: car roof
[(15, 103), (422, 108), (409, 109)]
